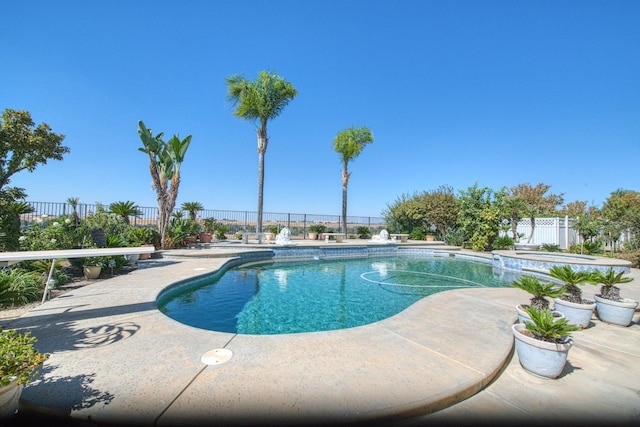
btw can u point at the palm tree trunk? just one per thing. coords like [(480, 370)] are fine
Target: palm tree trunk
[(345, 184), (533, 227), (262, 149)]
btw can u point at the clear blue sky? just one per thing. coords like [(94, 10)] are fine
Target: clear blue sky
[(455, 92)]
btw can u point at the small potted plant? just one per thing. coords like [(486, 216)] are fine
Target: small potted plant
[(92, 267), (315, 230), (540, 292), (209, 226), (576, 309), (610, 307), (543, 343), (19, 363), (144, 236)]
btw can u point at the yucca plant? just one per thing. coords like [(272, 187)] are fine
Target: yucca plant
[(539, 291), (545, 327), (608, 280), (571, 279)]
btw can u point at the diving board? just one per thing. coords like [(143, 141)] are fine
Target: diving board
[(8, 258)]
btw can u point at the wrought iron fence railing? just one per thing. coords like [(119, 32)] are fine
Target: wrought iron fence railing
[(236, 221)]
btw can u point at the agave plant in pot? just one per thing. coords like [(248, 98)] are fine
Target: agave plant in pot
[(540, 292), (19, 361), (577, 310), (610, 307), (543, 343)]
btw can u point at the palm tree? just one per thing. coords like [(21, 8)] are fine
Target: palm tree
[(74, 202), (165, 159), (260, 100), (192, 208), (125, 210), (349, 144)]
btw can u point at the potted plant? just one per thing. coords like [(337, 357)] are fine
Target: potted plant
[(576, 309), (92, 267), (143, 236), (543, 343), (610, 307), (19, 363), (209, 229), (315, 230), (221, 231), (539, 292)]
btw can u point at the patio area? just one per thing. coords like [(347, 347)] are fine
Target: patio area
[(115, 359)]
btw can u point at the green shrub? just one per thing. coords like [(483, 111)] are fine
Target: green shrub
[(417, 234), (363, 232), (550, 247), (587, 248), (19, 287), (455, 237), (503, 243), (18, 357)]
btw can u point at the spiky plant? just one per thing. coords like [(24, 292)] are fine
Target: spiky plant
[(192, 208), (571, 279), (608, 280), (545, 327), (539, 291)]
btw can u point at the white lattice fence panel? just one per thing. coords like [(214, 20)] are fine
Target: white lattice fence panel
[(546, 230)]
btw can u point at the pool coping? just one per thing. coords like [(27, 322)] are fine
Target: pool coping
[(109, 354)]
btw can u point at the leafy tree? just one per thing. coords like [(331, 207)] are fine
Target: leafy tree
[(12, 206), (532, 202), (125, 210), (165, 159), (192, 208), (441, 208), (623, 207), (260, 100), (405, 214), (573, 209), (23, 146), (587, 225), (481, 212), (417, 213), (349, 143)]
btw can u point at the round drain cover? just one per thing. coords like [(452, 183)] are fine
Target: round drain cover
[(216, 357)]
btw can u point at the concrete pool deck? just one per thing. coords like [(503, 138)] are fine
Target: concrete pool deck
[(447, 359)]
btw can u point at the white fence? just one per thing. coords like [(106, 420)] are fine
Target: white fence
[(555, 231)]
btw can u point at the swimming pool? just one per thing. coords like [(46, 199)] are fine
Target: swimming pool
[(320, 295)]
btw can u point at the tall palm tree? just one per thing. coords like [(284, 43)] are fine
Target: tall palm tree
[(260, 101), (349, 144)]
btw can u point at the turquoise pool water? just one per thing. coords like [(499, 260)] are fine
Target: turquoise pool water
[(319, 295)]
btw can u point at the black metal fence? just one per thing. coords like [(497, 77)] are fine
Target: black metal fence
[(236, 221)]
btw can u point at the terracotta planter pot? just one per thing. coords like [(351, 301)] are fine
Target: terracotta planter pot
[(205, 237), (146, 256)]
